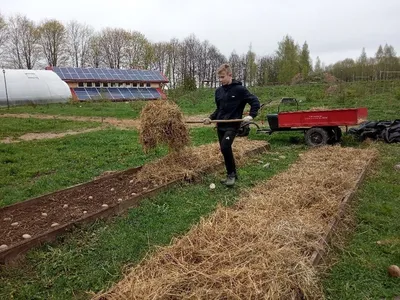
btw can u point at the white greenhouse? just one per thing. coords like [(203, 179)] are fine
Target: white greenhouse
[(18, 87)]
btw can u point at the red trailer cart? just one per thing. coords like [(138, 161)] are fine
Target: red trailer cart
[(320, 127)]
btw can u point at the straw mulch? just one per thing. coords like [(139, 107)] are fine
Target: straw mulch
[(187, 164), (162, 123), (318, 108), (259, 249)]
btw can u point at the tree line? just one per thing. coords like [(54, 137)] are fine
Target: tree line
[(187, 63)]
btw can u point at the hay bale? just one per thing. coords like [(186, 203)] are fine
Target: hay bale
[(162, 123), (259, 249)]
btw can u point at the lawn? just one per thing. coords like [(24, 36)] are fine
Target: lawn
[(361, 271), (130, 110), (92, 257), (30, 169), (13, 127), (379, 96)]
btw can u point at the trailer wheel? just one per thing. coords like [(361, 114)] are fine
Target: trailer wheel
[(316, 137)]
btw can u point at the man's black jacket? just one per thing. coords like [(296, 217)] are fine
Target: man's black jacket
[(230, 101)]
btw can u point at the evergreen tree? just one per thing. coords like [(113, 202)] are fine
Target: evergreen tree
[(288, 56), (305, 61)]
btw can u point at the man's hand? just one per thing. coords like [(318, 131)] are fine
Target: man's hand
[(207, 121), (248, 119)]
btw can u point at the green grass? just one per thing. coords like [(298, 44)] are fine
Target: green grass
[(377, 95), (14, 127), (361, 272), (122, 110), (200, 102), (91, 259), (30, 169)]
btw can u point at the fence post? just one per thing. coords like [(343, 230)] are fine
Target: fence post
[(5, 85)]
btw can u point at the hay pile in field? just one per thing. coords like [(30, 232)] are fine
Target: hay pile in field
[(186, 164), (259, 249), (318, 108), (161, 122), (332, 90)]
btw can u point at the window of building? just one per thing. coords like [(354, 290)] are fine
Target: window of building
[(134, 84), (89, 84), (112, 84), (148, 84), (97, 84), (120, 84), (80, 84), (31, 75), (105, 84), (127, 84), (142, 84)]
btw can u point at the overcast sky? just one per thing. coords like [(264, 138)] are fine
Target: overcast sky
[(334, 30)]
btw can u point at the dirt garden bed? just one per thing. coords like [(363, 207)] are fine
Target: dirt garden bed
[(46, 217)]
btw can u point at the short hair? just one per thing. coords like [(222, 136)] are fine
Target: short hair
[(225, 68)]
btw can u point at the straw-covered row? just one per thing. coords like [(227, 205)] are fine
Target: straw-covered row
[(259, 249), (188, 162)]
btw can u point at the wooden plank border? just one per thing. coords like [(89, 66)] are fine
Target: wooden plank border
[(318, 254)]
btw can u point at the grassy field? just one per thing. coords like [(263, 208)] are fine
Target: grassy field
[(12, 127), (92, 258), (379, 96), (121, 110), (30, 169), (361, 270)]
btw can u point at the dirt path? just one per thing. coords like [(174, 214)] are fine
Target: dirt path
[(46, 135), (123, 123), (120, 123)]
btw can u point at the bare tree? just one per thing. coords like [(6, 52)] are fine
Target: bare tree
[(234, 61), (53, 39), (173, 59), (23, 49), (3, 34), (114, 43), (161, 56), (216, 59), (190, 48), (202, 61), (136, 49), (78, 42), (95, 53)]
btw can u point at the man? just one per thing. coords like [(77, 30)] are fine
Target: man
[(231, 98)]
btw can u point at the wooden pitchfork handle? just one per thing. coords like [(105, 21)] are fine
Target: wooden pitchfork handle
[(215, 121)]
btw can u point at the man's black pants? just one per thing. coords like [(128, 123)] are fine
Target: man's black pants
[(225, 141)]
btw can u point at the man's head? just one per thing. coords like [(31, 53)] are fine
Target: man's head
[(225, 74)]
